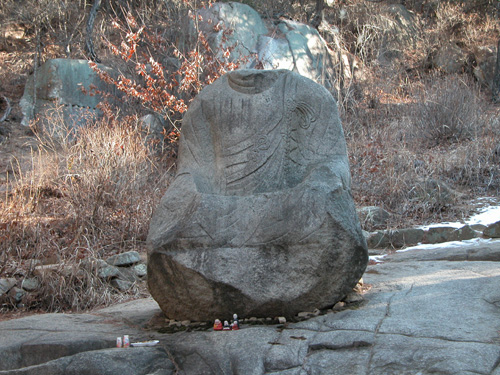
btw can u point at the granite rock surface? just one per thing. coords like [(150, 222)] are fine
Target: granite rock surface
[(422, 313)]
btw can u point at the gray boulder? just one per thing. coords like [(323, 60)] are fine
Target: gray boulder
[(484, 70), (100, 267), (419, 317), (462, 234), (287, 45), (478, 227), (492, 230), (154, 128), (472, 252), (398, 30), (140, 270), (259, 219), (396, 238), (107, 271), (128, 258), (438, 234), (245, 23), (6, 285), (450, 58), (59, 94), (307, 53), (372, 217), (379, 239), (30, 284), (121, 284), (399, 238), (406, 237)]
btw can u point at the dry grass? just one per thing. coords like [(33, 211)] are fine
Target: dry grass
[(446, 132), (452, 21), (89, 193), (410, 128)]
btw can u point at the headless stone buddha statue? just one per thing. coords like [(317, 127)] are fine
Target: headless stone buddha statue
[(260, 218)]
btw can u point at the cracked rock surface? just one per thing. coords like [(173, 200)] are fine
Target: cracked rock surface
[(424, 314)]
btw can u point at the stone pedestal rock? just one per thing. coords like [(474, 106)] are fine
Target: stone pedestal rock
[(259, 220), (59, 94)]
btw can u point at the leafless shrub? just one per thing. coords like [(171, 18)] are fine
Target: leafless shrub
[(448, 111), (90, 195)]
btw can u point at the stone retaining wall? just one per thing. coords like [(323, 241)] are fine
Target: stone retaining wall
[(398, 238)]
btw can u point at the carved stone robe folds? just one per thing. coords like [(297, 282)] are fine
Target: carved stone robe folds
[(259, 220)]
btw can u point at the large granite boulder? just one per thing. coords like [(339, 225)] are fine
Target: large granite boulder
[(450, 58), (61, 91), (255, 42), (398, 31), (260, 219), (245, 24), (300, 48), (492, 230), (373, 217)]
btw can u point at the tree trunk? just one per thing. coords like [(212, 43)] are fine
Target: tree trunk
[(318, 13), (90, 28), (495, 89), (7, 109)]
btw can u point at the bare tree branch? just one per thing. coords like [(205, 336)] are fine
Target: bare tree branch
[(90, 28), (317, 16), (495, 89), (7, 110)]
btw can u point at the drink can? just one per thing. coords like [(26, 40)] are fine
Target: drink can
[(126, 341), (119, 342)]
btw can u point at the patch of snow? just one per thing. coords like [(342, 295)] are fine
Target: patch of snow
[(488, 215), (484, 199), (377, 258), (451, 244), (454, 225)]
